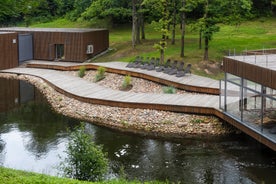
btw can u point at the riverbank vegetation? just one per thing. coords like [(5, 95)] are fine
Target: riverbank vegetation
[(85, 160), (11, 176)]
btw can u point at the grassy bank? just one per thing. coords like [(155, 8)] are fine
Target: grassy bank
[(256, 34), (10, 176)]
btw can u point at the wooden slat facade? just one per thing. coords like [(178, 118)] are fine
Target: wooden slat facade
[(75, 42), (8, 50), (99, 40), (261, 75)]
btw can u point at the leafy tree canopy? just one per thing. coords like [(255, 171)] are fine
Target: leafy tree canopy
[(119, 11), (8, 10)]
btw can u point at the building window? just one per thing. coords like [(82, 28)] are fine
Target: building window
[(90, 49), (59, 48), (249, 102)]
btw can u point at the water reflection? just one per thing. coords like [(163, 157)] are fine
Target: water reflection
[(9, 94), (42, 126), (32, 136), (225, 160)]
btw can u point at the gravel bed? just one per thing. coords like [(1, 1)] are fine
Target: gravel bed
[(114, 81)]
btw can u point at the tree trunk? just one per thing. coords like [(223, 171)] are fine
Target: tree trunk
[(173, 23), (162, 56), (173, 35), (164, 26), (183, 25), (206, 36), (134, 23), (168, 28), (138, 25), (162, 50), (143, 35), (206, 48), (200, 39)]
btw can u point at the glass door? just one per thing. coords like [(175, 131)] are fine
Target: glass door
[(59, 51)]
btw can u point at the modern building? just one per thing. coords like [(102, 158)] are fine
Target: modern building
[(248, 93), (58, 44)]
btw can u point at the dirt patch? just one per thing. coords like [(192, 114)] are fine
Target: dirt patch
[(209, 67)]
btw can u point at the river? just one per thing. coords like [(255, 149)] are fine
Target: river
[(33, 138)]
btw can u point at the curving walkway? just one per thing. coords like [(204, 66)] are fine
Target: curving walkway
[(86, 91), (193, 83)]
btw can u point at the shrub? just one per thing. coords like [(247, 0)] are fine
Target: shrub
[(169, 90), (196, 121), (85, 160), (100, 74), (126, 82), (81, 72)]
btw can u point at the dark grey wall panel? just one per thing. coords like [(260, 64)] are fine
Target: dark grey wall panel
[(25, 47)]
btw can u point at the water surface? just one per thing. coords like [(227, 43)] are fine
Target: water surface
[(33, 138)]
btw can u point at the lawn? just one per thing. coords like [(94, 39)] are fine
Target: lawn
[(255, 34), (11, 176)]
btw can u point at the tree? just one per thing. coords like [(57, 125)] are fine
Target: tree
[(117, 11), (134, 23), (161, 25), (273, 6), (28, 8), (187, 6), (140, 27), (173, 21), (208, 26), (8, 10), (85, 160), (142, 12), (139, 8), (183, 26), (37, 10), (65, 6), (76, 8), (262, 7), (220, 11), (235, 11), (164, 22)]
